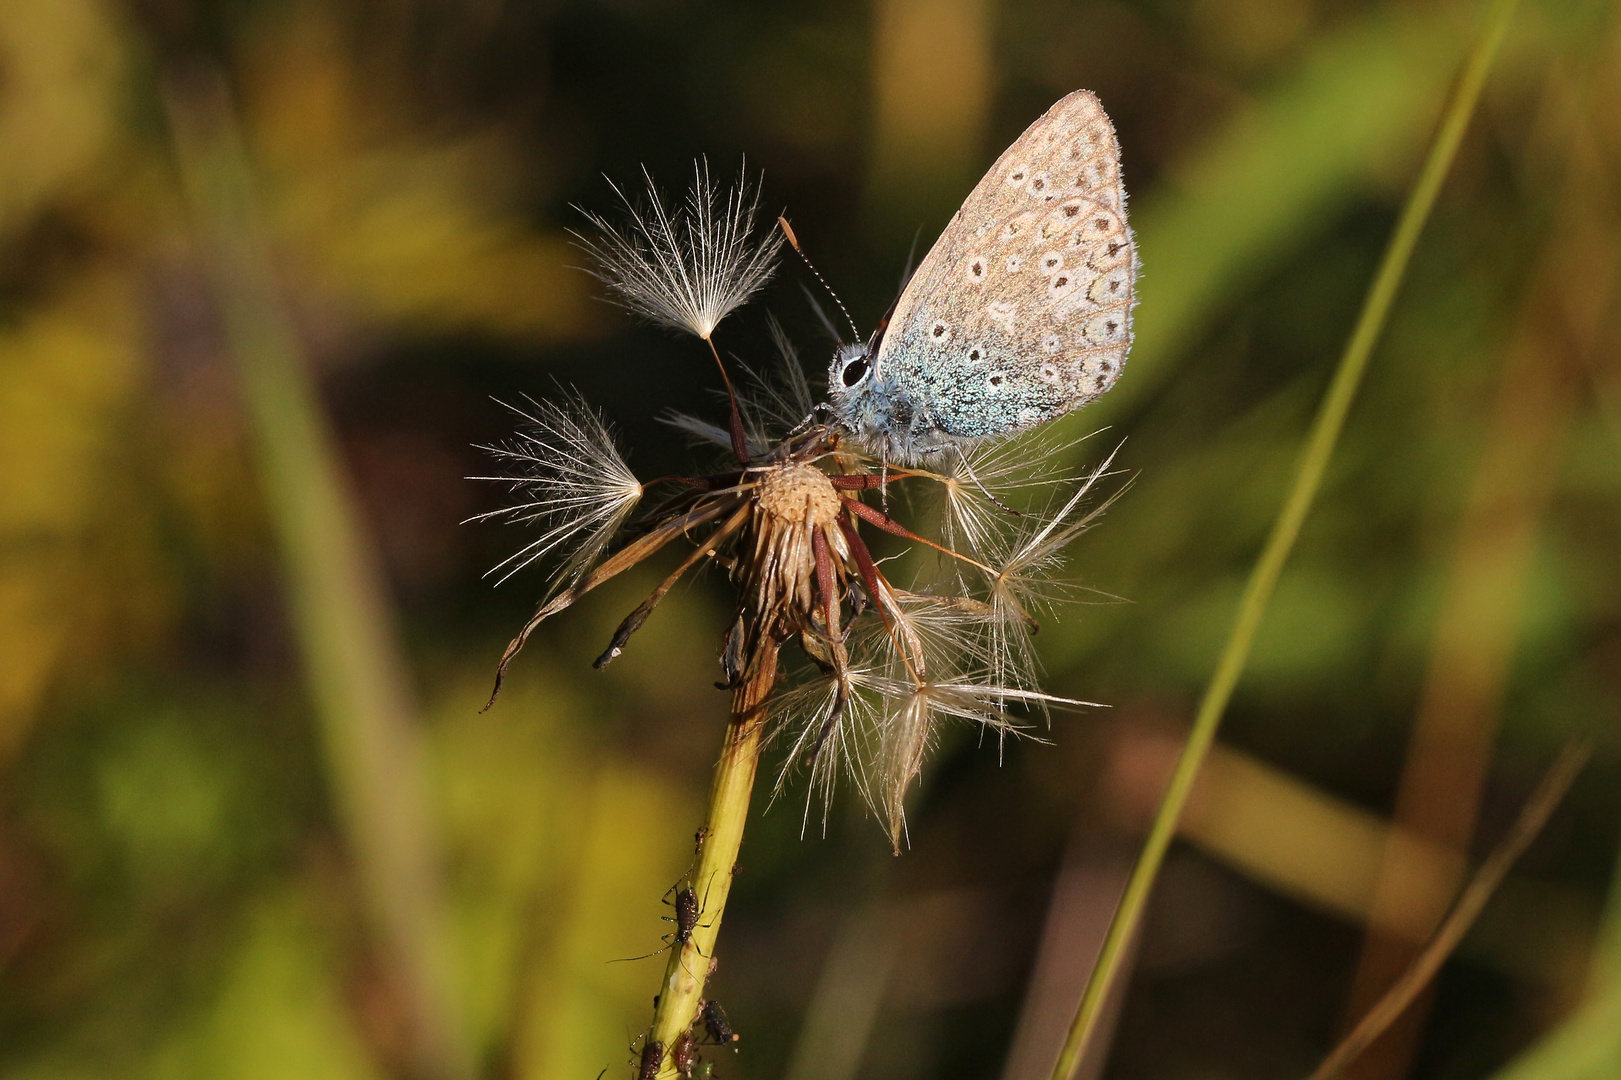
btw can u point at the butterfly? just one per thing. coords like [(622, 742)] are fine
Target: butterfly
[(1020, 313)]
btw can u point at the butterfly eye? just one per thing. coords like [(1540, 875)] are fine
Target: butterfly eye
[(854, 371)]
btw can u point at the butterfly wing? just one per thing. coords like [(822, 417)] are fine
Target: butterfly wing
[(1022, 309)]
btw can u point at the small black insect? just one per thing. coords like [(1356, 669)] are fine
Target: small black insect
[(687, 910), (731, 657), (715, 1023), (686, 915)]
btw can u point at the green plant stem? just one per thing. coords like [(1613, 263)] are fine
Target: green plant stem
[(1319, 448), (688, 967), (336, 599)]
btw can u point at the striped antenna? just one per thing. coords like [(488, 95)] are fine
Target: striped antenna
[(793, 242)]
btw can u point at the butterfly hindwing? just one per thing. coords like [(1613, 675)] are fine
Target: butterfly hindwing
[(1022, 309)]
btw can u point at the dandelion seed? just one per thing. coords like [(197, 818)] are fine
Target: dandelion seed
[(698, 430), (574, 484), (889, 721), (900, 758), (911, 727), (988, 479), (686, 266), (773, 404), (1026, 585), (933, 636), (799, 715), (779, 399)]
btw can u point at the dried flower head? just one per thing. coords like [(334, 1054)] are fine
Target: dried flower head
[(884, 667), (688, 265)]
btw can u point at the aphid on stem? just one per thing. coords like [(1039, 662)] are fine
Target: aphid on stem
[(652, 1060), (684, 1053), (687, 912), (716, 1026)]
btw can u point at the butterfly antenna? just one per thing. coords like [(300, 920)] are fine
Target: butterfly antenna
[(793, 242)]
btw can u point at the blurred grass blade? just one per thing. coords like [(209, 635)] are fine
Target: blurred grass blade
[(335, 595), (1605, 971), (1501, 536), (849, 992), (1533, 816), (931, 96), (1585, 1047), (1276, 173), (1314, 460)]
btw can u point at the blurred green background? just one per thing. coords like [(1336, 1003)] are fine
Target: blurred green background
[(264, 263)]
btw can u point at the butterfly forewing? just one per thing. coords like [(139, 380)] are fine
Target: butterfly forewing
[(1022, 309)]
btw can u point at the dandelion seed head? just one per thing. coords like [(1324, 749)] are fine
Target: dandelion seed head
[(688, 265), (795, 503), (570, 480), (798, 493), (884, 667)]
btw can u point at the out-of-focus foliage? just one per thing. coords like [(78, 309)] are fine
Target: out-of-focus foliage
[(178, 896)]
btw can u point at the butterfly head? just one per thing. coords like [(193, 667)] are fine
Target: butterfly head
[(851, 389), (877, 412)]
